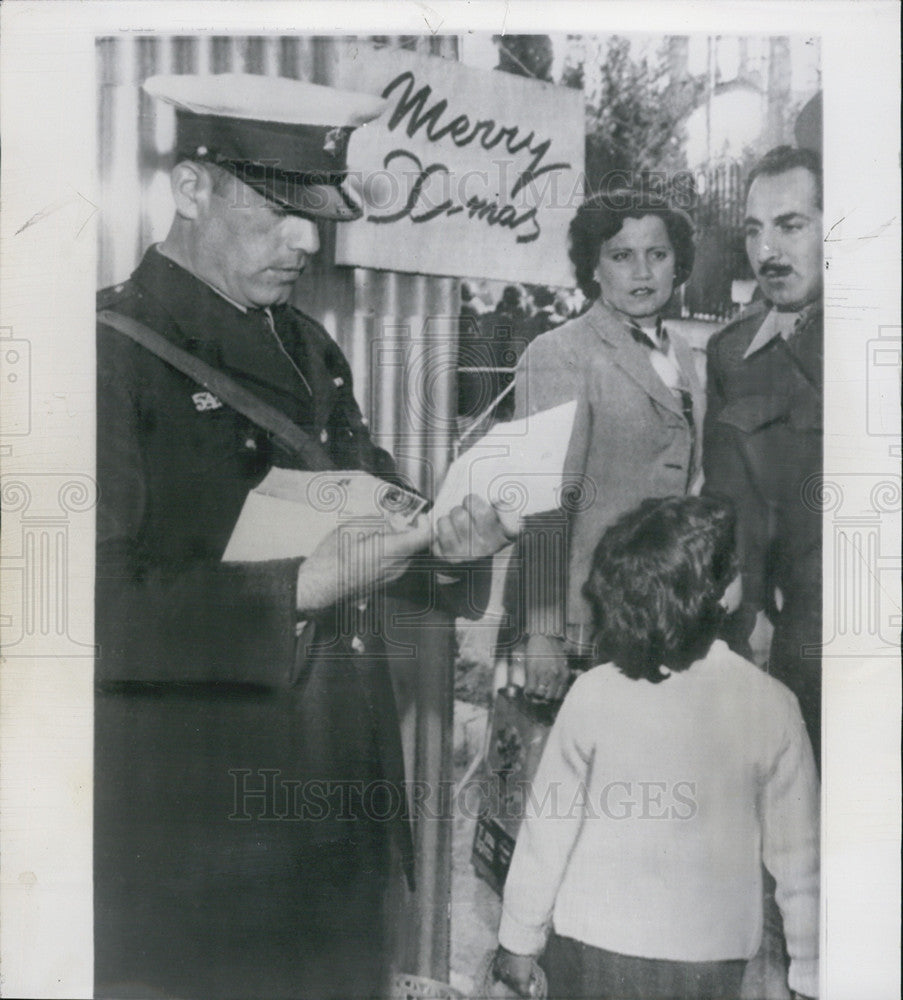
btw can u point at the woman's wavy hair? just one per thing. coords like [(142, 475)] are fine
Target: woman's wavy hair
[(602, 216), (657, 577)]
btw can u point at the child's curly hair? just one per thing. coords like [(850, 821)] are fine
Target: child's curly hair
[(657, 578)]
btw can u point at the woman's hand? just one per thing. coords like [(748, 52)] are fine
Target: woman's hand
[(545, 667)]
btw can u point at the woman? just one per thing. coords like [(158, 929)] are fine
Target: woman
[(639, 413)]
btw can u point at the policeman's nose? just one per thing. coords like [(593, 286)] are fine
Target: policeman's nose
[(301, 234)]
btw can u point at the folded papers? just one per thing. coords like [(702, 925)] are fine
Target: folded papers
[(518, 467), (290, 512)]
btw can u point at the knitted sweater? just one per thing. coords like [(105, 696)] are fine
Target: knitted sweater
[(651, 814)]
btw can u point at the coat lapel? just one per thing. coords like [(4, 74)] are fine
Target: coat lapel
[(684, 354), (309, 357), (630, 357)]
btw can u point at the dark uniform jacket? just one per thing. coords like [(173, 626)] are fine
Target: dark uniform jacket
[(236, 850), (763, 448)]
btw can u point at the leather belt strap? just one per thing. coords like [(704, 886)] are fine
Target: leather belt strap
[(225, 388)]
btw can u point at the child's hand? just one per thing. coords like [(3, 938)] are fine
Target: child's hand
[(515, 971)]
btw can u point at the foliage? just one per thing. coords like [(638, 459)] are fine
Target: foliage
[(634, 110)]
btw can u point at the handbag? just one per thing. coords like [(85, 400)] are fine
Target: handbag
[(517, 734)]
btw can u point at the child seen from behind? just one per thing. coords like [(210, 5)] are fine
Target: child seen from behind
[(675, 769)]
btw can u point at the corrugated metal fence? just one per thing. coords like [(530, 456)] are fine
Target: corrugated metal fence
[(399, 332)]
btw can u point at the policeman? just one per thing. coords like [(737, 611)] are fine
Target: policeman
[(248, 789)]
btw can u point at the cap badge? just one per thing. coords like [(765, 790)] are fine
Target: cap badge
[(336, 142)]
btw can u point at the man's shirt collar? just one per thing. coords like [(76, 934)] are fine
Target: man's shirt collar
[(778, 324), (223, 295)]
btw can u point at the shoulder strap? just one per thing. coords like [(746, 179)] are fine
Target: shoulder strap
[(223, 387)]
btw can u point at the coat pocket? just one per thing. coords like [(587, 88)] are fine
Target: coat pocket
[(752, 413)]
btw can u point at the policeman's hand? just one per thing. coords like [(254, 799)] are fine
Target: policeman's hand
[(515, 971), (352, 558), (545, 667), (470, 531)]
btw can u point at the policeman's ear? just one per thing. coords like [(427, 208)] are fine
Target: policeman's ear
[(192, 187)]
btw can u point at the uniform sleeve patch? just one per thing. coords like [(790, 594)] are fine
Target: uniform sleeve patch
[(204, 401)]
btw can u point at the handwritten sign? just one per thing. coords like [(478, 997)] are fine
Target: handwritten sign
[(467, 173)]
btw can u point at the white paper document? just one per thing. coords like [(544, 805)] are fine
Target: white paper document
[(518, 466), (290, 512)]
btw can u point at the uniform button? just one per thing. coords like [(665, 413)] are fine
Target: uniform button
[(357, 644), (324, 436), (251, 444)]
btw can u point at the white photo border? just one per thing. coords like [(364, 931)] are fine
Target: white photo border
[(48, 282)]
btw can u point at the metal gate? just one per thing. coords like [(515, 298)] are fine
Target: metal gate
[(720, 251)]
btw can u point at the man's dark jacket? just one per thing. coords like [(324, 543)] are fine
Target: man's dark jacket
[(762, 447), (248, 782)]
